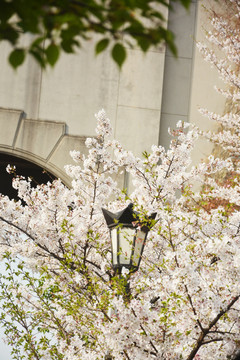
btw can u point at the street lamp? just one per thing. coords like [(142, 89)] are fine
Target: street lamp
[(128, 234)]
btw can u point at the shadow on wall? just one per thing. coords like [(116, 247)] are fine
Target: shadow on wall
[(24, 168)]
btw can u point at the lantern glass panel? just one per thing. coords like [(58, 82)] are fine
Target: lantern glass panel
[(139, 243), (114, 235), (126, 236)]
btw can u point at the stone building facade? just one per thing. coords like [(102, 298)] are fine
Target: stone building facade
[(46, 113)]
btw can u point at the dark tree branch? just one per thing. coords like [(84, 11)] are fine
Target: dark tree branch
[(205, 331)]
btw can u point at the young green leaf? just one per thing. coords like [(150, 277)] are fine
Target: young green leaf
[(119, 54), (16, 57), (186, 3), (52, 53), (101, 46)]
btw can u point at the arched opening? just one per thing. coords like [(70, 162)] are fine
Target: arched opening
[(24, 168)]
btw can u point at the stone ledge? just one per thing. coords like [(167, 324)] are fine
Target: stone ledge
[(44, 143), (9, 123), (39, 137)]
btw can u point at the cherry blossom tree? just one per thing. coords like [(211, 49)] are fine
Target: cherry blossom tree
[(222, 52), (62, 300)]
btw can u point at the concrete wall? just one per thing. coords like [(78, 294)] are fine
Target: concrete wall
[(204, 79), (45, 114), (178, 71)]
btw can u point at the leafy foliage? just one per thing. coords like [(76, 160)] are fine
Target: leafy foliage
[(68, 23)]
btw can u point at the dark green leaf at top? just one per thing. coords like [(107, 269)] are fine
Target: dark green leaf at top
[(52, 53), (119, 54), (16, 57), (101, 45)]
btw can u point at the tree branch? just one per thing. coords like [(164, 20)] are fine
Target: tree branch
[(201, 339)]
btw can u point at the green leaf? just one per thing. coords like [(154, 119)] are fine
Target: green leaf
[(119, 54), (67, 46), (144, 43), (52, 53), (7, 10), (16, 57), (170, 42), (186, 3), (101, 46), (38, 57), (37, 42)]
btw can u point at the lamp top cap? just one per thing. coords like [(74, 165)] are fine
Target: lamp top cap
[(125, 216)]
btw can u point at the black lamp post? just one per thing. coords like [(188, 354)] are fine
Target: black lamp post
[(128, 236)]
